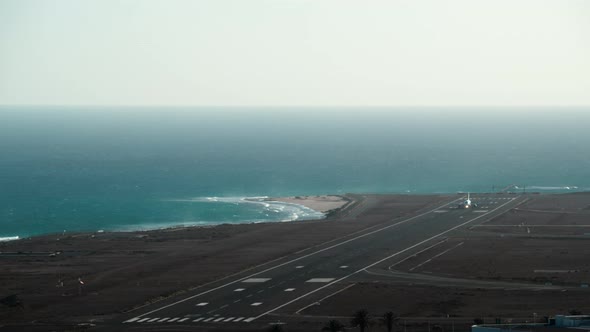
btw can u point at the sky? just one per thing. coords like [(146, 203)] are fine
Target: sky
[(295, 52)]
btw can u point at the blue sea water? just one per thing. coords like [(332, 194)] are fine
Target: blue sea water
[(124, 168)]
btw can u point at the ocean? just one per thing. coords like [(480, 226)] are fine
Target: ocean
[(129, 168)]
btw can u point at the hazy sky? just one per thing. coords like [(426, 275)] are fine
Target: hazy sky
[(295, 52)]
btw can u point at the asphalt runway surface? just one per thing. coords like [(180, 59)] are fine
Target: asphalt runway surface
[(291, 284)]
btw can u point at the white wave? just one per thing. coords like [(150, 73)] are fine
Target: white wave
[(292, 210), (9, 238)]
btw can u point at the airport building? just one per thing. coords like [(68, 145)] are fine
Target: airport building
[(560, 322)]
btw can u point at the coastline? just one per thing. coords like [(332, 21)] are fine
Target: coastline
[(320, 206), (321, 203)]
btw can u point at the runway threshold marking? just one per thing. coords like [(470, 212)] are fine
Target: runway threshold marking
[(182, 320), (297, 259), (198, 319), (381, 260)]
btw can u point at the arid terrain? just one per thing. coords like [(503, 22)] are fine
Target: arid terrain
[(523, 263)]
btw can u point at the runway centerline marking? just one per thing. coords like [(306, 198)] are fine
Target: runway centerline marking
[(344, 266), (289, 289), (239, 289), (299, 267), (299, 258), (381, 260), (202, 304), (255, 304)]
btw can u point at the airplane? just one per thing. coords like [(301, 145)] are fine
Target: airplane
[(467, 204)]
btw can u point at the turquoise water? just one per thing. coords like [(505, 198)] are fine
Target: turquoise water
[(114, 168)]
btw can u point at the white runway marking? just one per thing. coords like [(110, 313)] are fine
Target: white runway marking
[(208, 319), (248, 320), (239, 289), (236, 301), (344, 266), (255, 304), (229, 319), (173, 320), (238, 319), (441, 211), (416, 254), (299, 267), (182, 320), (435, 256), (131, 320), (289, 289), (256, 280), (202, 304), (143, 320), (219, 319), (163, 319), (321, 279), (153, 320), (199, 319), (480, 211)]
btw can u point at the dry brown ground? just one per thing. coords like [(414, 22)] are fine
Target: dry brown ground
[(123, 270), (503, 257)]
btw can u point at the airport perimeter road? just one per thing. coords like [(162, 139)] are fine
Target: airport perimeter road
[(289, 285)]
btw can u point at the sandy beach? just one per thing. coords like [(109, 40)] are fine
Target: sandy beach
[(322, 203)]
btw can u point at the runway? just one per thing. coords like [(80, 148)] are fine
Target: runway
[(304, 277)]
